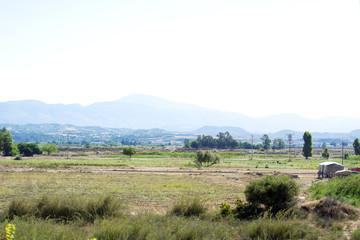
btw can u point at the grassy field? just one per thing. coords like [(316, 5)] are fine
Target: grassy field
[(174, 160), (147, 191), (146, 198)]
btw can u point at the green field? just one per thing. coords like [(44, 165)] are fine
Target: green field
[(163, 159), (146, 198)]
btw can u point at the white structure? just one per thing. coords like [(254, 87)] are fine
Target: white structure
[(327, 169)]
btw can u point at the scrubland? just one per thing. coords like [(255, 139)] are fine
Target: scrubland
[(111, 196)]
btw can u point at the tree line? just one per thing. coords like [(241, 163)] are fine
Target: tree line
[(9, 148), (226, 141)]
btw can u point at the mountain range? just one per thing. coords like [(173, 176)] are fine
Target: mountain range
[(147, 112)]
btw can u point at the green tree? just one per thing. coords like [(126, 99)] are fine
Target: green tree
[(266, 142), (129, 151), (246, 145), (307, 148), (49, 148), (6, 142), (186, 143), (356, 146), (206, 158), (206, 141), (28, 149), (278, 143), (194, 144), (226, 141), (86, 144), (326, 153)]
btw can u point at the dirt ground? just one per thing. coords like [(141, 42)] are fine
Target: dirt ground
[(301, 173)]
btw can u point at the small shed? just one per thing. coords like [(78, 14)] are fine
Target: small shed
[(327, 169)]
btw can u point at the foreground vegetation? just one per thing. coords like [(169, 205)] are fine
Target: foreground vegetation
[(52, 203), (344, 189), (151, 226), (101, 216)]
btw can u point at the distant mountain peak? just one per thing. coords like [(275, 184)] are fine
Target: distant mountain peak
[(138, 111)]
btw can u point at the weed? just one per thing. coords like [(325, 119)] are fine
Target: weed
[(356, 234), (188, 207), (273, 228), (345, 189), (65, 208)]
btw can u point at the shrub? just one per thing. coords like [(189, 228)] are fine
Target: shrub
[(18, 157), (225, 209), (50, 148), (65, 208), (129, 151), (188, 207), (206, 158), (274, 192), (28, 149), (326, 153), (247, 210)]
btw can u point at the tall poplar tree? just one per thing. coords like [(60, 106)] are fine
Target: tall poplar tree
[(356, 146), (307, 149)]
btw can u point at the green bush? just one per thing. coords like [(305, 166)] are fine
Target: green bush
[(28, 149), (206, 158), (326, 153), (129, 151), (188, 207), (242, 211), (225, 209), (274, 192), (247, 210)]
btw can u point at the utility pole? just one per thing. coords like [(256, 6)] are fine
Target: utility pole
[(68, 146), (289, 135), (342, 153), (252, 146)]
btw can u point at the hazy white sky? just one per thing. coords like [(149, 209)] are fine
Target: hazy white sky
[(256, 57)]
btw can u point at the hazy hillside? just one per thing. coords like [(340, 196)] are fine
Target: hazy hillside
[(146, 112), (62, 133), (213, 130)]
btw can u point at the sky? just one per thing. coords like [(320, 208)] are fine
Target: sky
[(255, 57)]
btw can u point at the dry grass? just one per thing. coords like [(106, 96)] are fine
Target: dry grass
[(330, 208)]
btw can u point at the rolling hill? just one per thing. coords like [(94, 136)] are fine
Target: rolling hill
[(147, 112)]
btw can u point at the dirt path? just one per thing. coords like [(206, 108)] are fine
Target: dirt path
[(165, 170)]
